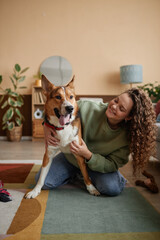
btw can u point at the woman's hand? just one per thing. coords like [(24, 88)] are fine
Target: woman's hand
[(81, 150), (50, 136)]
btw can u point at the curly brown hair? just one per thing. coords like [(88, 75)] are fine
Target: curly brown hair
[(141, 129)]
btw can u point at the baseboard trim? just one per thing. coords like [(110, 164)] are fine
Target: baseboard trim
[(13, 161), (24, 138)]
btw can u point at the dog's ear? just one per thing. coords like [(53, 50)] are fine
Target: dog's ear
[(71, 83), (47, 85)]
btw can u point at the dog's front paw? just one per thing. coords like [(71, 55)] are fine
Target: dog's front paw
[(92, 190), (32, 194)]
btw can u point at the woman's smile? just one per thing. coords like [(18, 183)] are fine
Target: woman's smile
[(112, 110), (119, 109)]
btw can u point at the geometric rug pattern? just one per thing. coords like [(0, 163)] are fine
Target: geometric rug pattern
[(14, 173), (69, 212)]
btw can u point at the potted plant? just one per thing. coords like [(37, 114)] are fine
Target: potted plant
[(153, 90), (12, 101), (38, 79)]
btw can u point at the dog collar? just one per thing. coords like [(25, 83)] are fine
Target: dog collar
[(53, 127), (48, 124)]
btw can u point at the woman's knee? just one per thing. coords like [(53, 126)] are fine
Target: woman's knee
[(59, 173), (112, 190), (110, 184), (108, 189)]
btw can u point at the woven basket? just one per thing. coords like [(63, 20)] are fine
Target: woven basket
[(15, 134)]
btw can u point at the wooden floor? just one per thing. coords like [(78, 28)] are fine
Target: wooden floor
[(28, 150), (24, 150)]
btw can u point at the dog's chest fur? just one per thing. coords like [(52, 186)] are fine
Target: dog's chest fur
[(66, 136)]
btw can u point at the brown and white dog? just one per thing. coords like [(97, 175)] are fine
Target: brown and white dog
[(61, 112)]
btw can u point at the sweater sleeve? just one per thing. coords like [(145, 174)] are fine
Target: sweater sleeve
[(109, 163)]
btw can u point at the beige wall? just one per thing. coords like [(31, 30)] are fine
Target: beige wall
[(96, 36)]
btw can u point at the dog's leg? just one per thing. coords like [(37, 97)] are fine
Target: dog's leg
[(82, 165), (47, 160), (91, 189)]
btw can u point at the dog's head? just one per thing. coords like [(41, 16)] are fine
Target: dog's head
[(60, 107)]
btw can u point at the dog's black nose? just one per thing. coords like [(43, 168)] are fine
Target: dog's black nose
[(69, 109)]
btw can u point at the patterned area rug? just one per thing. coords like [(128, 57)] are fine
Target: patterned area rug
[(71, 213)]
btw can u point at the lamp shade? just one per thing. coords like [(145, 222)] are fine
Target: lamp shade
[(131, 74)]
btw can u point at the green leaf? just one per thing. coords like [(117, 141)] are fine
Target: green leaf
[(24, 70), (5, 127), (4, 119), (8, 90), (14, 94), (15, 87), (20, 99), (21, 79), (19, 104), (9, 113), (1, 79), (18, 113), (1, 99), (17, 67), (18, 121), (12, 102), (4, 104), (15, 77), (11, 126)]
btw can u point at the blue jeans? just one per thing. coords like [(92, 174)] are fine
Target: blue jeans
[(61, 172)]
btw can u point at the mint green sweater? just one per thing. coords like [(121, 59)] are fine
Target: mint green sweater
[(109, 147)]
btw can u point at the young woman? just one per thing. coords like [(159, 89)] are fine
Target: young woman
[(110, 133)]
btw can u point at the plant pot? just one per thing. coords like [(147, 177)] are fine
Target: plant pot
[(15, 134), (38, 83)]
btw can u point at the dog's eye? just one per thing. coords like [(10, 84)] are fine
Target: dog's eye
[(58, 97), (71, 96)]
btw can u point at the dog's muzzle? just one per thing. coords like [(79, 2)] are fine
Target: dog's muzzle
[(69, 109), (65, 115)]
